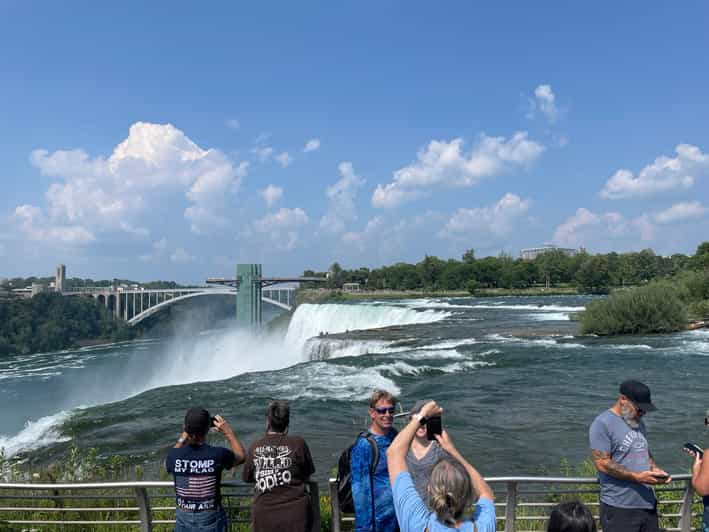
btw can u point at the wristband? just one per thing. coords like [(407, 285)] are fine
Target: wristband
[(421, 419)]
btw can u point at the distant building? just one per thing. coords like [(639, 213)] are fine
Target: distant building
[(533, 253), (351, 287), (60, 278)]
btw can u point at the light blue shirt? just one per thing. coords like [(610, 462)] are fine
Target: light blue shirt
[(413, 515)]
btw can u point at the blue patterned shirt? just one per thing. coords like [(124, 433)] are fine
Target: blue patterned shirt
[(362, 483)]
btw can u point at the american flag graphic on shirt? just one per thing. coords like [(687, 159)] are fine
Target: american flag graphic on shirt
[(196, 487)]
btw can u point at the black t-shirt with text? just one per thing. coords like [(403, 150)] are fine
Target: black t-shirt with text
[(198, 472)]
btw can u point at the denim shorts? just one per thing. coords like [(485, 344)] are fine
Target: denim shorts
[(211, 521)]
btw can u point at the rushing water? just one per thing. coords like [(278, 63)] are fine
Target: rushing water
[(519, 388)]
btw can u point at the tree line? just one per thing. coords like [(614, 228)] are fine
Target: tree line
[(50, 321), (596, 273)]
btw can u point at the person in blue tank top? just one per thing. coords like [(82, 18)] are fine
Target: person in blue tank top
[(453, 486), (371, 492)]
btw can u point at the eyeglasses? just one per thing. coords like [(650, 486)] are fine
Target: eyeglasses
[(384, 409)]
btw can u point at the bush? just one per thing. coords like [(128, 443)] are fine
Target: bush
[(655, 308)]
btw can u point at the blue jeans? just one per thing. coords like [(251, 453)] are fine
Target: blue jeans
[(212, 521)]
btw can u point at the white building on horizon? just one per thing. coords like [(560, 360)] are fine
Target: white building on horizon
[(533, 253)]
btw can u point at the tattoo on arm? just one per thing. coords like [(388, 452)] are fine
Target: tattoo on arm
[(610, 467)]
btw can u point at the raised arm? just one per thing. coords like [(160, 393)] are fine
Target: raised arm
[(481, 487), (223, 426)]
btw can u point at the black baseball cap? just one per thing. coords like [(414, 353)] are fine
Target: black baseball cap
[(639, 394), (197, 421)]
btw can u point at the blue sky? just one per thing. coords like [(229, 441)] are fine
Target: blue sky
[(173, 140)]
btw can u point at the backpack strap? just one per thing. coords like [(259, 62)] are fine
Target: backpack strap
[(375, 450)]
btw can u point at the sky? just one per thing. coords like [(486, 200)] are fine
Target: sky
[(173, 140)]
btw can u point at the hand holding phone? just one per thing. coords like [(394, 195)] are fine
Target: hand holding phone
[(434, 426), (693, 449)]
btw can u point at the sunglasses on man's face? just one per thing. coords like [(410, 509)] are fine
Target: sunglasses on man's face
[(384, 409)]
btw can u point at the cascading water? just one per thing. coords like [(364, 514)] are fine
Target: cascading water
[(313, 320)]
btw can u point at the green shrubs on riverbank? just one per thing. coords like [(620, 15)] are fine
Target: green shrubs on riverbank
[(655, 308), (660, 307)]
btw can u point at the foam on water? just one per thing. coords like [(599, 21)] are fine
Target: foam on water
[(35, 435), (321, 380)]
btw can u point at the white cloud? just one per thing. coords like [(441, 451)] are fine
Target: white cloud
[(663, 175), (341, 199), (232, 123), (180, 256), (284, 159), (99, 194), (681, 212), (271, 195), (493, 221), (282, 227), (586, 227), (32, 222), (262, 153), (312, 145), (545, 100), (158, 250), (442, 163)]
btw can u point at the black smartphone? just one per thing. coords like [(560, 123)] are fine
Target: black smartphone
[(694, 448), (213, 420), (433, 426), (661, 478)]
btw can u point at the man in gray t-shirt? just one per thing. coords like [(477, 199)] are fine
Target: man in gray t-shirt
[(626, 470)]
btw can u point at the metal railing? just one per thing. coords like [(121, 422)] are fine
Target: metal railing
[(523, 502), (137, 505)]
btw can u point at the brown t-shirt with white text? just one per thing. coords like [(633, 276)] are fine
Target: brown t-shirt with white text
[(278, 465)]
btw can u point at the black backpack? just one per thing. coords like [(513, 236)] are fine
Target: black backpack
[(344, 472)]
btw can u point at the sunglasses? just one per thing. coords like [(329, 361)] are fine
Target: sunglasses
[(384, 409)]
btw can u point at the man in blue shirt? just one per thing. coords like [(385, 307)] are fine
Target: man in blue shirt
[(197, 468), (371, 491)]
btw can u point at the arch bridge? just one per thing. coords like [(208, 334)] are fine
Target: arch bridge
[(134, 304)]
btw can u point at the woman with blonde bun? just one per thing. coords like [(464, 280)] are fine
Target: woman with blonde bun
[(454, 486)]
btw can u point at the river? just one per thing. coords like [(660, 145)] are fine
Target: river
[(518, 385)]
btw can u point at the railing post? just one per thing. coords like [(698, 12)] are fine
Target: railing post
[(315, 505), (334, 506), (685, 512), (146, 520), (511, 507)]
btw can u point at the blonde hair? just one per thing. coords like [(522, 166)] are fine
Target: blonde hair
[(449, 491)]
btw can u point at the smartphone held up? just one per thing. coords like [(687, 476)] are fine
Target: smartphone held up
[(434, 426)]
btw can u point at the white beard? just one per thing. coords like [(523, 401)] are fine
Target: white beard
[(627, 414)]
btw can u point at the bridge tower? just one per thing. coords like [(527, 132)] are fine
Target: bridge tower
[(248, 298)]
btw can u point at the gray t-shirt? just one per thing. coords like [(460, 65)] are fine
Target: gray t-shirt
[(421, 469), (627, 447)]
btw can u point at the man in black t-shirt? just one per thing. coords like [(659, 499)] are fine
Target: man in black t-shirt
[(197, 468)]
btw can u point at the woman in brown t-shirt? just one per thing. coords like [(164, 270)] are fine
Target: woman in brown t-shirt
[(279, 465)]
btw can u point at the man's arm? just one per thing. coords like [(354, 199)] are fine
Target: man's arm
[(603, 462), (223, 426)]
